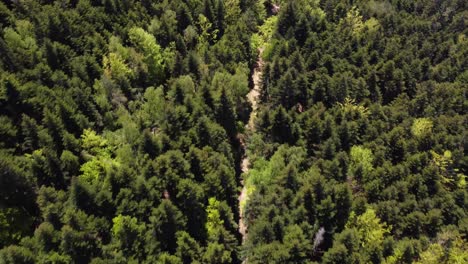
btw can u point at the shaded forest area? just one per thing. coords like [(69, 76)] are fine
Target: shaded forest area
[(120, 123)]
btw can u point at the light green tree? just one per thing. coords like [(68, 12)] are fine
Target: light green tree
[(434, 254), (206, 35), (421, 128), (115, 67), (166, 258), (265, 33), (362, 157), (353, 21), (154, 55), (371, 231), (350, 106), (91, 170), (94, 143), (214, 221), (458, 252), (450, 176), (233, 11), (98, 154), (154, 108)]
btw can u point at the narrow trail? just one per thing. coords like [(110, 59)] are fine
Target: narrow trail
[(253, 97)]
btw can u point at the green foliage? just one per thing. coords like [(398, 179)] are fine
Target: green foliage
[(233, 10), (123, 131), (215, 253), (265, 172), (214, 221), (188, 249), (22, 43), (207, 34), (165, 258), (100, 162), (94, 143), (235, 85), (362, 157), (350, 106), (16, 254), (154, 107), (370, 230), (115, 67), (450, 175), (127, 231), (119, 150), (154, 55), (14, 225), (337, 254), (421, 128), (91, 171), (368, 116), (165, 222), (265, 33), (433, 254), (353, 21)]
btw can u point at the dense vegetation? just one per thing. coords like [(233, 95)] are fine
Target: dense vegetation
[(122, 125), (360, 150)]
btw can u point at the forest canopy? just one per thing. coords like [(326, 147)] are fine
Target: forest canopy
[(233, 131)]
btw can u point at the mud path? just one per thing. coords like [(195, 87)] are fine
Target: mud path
[(253, 97)]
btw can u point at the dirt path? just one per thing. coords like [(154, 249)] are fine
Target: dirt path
[(253, 96)]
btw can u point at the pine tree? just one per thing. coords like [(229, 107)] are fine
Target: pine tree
[(282, 129), (226, 115)]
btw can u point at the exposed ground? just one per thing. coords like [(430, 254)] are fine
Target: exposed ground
[(253, 97)]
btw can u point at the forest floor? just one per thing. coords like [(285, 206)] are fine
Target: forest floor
[(253, 97)]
